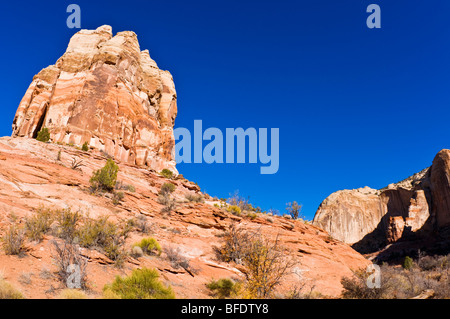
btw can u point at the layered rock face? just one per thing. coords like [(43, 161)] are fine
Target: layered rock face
[(107, 92), (369, 219)]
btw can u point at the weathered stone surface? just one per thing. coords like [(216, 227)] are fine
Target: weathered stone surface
[(107, 92), (418, 205)]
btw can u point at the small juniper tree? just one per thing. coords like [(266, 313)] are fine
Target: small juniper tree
[(294, 209), (43, 135)]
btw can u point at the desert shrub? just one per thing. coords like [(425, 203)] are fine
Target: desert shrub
[(7, 291), (266, 265), (239, 201), (235, 242), (43, 135), (105, 179), (66, 223), (101, 233), (149, 246), (266, 261), (252, 216), (224, 288), (177, 260), (235, 210), (66, 255), (72, 294), (143, 225), (39, 224), (76, 164), (195, 198), (141, 284), (165, 197), (137, 252), (85, 147), (167, 188), (117, 197), (126, 187), (167, 173), (294, 209), (13, 241), (408, 263)]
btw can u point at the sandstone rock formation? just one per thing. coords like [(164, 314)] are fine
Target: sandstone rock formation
[(414, 208), (107, 92)]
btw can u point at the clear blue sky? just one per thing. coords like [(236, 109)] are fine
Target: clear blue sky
[(355, 106)]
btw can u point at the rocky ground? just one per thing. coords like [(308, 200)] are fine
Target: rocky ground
[(35, 174)]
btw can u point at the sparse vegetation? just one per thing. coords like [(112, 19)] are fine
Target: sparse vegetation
[(13, 241), (165, 197), (117, 198), (141, 284), (7, 291), (177, 260), (43, 135), (85, 147), (66, 223), (224, 288), (150, 246), (265, 261), (195, 198), (106, 235), (76, 164), (105, 179), (126, 187), (72, 294), (235, 210), (167, 173), (294, 210), (427, 273), (39, 224), (407, 263), (67, 256)]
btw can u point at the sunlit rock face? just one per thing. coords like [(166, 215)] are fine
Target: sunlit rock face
[(107, 92)]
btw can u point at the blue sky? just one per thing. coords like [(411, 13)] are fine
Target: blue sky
[(355, 106)]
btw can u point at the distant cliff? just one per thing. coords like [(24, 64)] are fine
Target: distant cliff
[(413, 209)]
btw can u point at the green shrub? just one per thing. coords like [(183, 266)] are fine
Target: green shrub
[(224, 288), (141, 284), (39, 224), (67, 222), (167, 173), (106, 235), (43, 135), (72, 294), (408, 263), (9, 292), (294, 209), (150, 246), (85, 147), (105, 179), (235, 210)]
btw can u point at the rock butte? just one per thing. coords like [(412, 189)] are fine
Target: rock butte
[(107, 92), (415, 208)]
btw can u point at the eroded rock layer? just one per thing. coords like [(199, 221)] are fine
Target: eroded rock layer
[(370, 219), (107, 92)]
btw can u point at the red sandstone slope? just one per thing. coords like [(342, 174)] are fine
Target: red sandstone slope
[(31, 176)]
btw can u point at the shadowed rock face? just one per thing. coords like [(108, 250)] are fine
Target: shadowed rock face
[(369, 219), (107, 92)]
